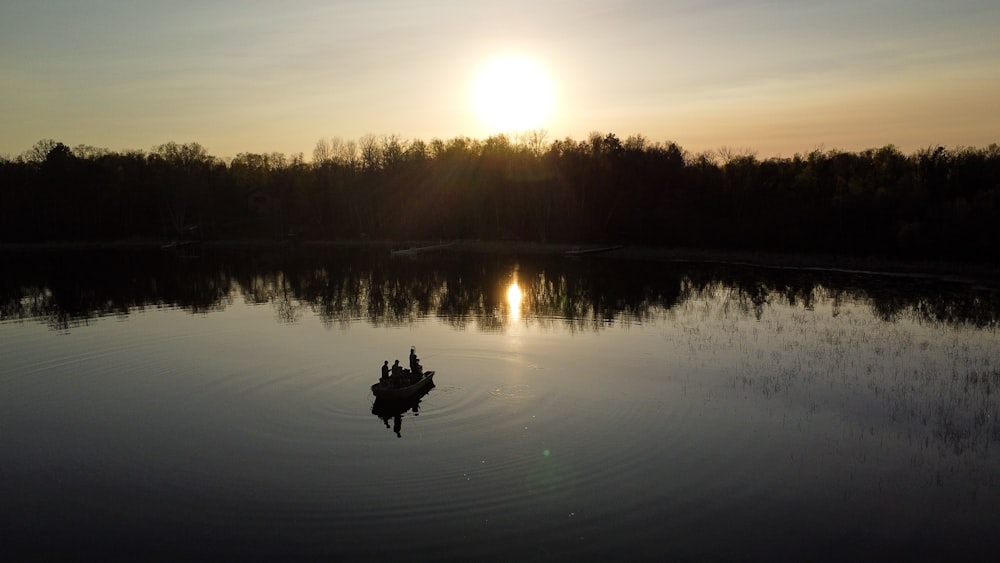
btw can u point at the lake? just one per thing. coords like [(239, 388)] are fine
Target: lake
[(218, 406)]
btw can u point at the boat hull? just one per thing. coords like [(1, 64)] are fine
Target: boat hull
[(387, 392)]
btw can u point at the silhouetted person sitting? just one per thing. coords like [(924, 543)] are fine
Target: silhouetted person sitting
[(397, 373)]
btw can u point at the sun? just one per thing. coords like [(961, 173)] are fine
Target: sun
[(512, 94)]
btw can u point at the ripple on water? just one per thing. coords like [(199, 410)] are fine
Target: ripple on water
[(519, 392)]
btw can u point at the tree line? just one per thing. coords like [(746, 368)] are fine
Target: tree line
[(934, 203)]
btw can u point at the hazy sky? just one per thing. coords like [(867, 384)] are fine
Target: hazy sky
[(778, 76)]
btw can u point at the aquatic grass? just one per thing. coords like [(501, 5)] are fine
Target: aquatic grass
[(896, 378)]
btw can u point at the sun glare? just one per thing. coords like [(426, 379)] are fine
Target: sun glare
[(513, 94)]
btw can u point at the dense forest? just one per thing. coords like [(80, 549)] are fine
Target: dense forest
[(935, 203)]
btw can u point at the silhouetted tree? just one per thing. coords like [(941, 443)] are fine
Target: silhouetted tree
[(936, 203)]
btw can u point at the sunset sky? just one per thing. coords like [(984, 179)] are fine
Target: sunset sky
[(778, 76)]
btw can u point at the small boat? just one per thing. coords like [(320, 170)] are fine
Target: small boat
[(179, 244), (411, 252), (593, 250), (388, 391)]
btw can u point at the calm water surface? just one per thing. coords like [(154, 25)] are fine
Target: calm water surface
[(219, 407)]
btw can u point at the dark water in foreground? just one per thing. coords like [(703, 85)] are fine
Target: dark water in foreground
[(219, 407)]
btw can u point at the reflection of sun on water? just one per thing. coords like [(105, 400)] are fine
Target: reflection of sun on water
[(514, 301)]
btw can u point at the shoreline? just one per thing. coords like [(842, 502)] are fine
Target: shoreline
[(970, 272)]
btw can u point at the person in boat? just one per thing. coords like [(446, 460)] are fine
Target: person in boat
[(397, 373), (385, 372), (414, 362)]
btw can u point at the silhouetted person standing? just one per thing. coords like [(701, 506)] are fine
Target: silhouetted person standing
[(414, 362)]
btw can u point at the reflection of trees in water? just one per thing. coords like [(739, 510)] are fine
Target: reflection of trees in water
[(67, 289), (346, 286), (750, 291), (460, 292), (824, 340)]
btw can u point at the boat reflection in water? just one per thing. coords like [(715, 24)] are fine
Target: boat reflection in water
[(394, 409)]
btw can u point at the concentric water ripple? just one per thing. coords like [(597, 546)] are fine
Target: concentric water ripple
[(259, 438)]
